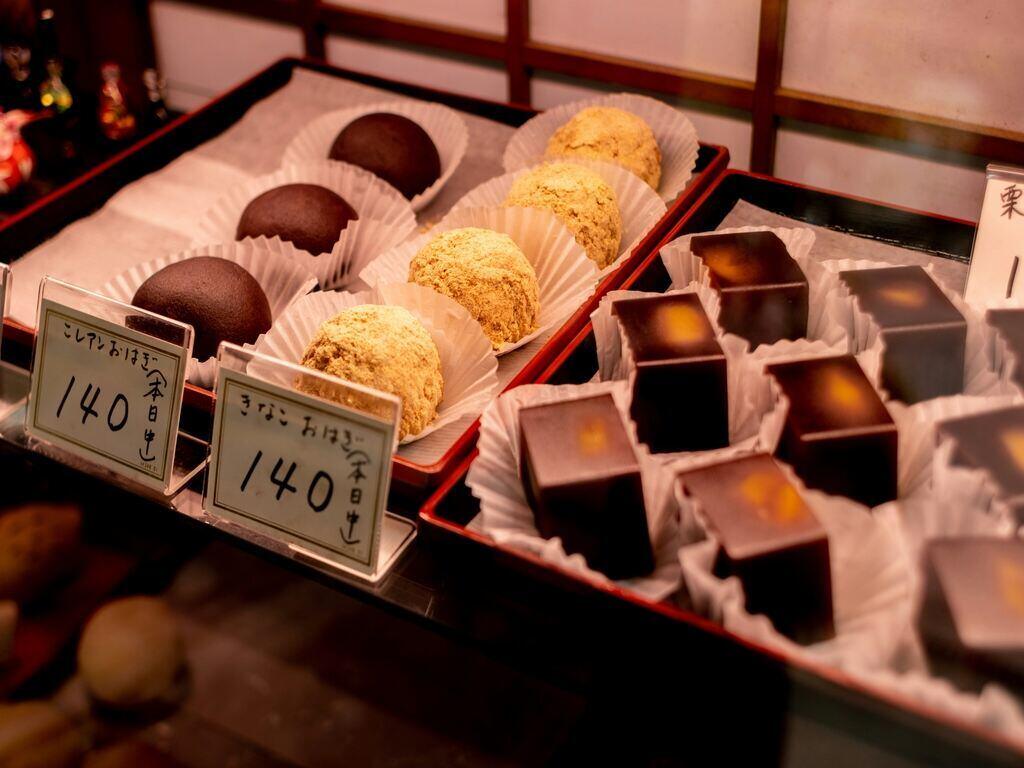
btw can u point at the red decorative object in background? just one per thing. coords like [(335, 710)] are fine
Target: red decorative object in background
[(16, 159)]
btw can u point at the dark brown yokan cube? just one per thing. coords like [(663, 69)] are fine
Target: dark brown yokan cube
[(582, 480), (971, 618), (837, 435), (771, 540), (1009, 324), (762, 288), (680, 395), (923, 333), (993, 441)]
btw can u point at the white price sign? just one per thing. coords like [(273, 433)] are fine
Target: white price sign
[(996, 270), (300, 470), (106, 393)]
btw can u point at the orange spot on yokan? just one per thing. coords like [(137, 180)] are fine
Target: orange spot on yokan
[(680, 324), (593, 438), (774, 500), (905, 295), (1011, 584), (1013, 440), (843, 390)]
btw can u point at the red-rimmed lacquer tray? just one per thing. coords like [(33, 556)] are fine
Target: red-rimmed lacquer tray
[(448, 512), (45, 218)]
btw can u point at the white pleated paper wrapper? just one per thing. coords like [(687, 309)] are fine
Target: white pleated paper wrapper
[(283, 278), (385, 217), (566, 277), (979, 378), (468, 365), (639, 205), (684, 267), (506, 515), (445, 127), (870, 584), (1002, 360), (675, 134)]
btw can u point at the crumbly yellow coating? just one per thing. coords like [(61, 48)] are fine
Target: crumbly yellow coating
[(486, 273), (383, 347), (612, 134), (581, 199)]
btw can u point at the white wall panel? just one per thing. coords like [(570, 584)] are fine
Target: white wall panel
[(203, 52), (717, 36), (960, 59), (478, 15), (880, 174), (711, 127), (422, 69)]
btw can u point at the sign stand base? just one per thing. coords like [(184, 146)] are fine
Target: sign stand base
[(396, 534), (14, 386)]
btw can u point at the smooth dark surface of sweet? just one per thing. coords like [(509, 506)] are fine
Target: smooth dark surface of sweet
[(992, 441), (582, 480), (680, 392), (309, 216), (971, 619), (924, 334), (218, 298), (1009, 324), (392, 147), (771, 540), (838, 435), (763, 290)]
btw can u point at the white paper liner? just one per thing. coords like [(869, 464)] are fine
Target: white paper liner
[(507, 517), (675, 134), (864, 334), (445, 127), (870, 585), (1001, 359), (385, 217), (639, 205), (684, 267), (468, 365), (566, 277), (283, 278)]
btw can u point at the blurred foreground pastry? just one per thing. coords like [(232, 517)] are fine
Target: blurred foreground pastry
[(36, 734), (131, 653), (488, 274), (39, 544), (581, 200), (130, 754), (383, 347), (612, 134)]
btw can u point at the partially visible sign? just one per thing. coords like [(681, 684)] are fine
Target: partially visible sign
[(5, 292), (301, 470), (106, 393), (996, 270)]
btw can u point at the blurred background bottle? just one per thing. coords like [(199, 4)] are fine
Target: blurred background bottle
[(116, 120)]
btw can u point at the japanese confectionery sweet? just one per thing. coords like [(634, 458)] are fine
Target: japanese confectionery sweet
[(582, 480), (488, 274), (129, 754), (392, 147), (131, 654), (1009, 324), (923, 333), (611, 134), (762, 288), (837, 435), (581, 200), (680, 390), (993, 441), (971, 618), (309, 216), (39, 544), (386, 348), (36, 734), (770, 539), (218, 298)]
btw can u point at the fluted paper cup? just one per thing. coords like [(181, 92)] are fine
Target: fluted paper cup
[(566, 277), (445, 127), (675, 134), (468, 365), (640, 206), (385, 217), (283, 278), (506, 515)]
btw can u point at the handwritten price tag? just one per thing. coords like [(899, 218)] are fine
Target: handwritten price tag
[(106, 393), (300, 470), (996, 271)]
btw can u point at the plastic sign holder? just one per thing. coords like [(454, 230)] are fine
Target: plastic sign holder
[(13, 380), (301, 463), (106, 390), (997, 259)]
